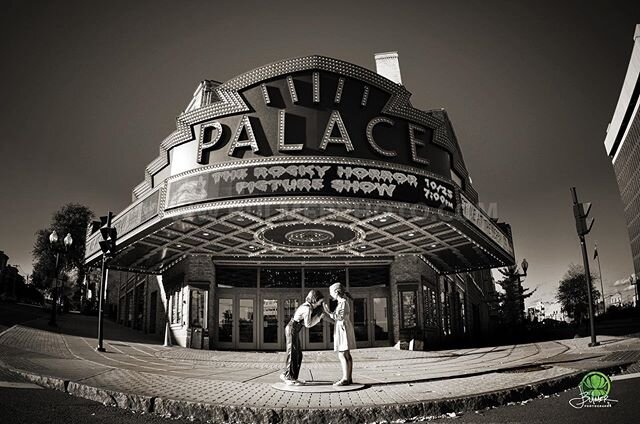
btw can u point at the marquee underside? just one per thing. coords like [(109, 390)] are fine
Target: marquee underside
[(315, 232)]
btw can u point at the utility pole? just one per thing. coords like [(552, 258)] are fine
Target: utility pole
[(583, 226)]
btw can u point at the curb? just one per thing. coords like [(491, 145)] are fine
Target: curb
[(197, 411)]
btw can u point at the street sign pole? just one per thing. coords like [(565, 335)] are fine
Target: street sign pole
[(103, 282), (581, 213), (108, 249)]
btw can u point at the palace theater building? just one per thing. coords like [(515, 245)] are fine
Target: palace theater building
[(297, 175)]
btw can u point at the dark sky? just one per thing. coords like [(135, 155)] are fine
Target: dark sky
[(90, 89)]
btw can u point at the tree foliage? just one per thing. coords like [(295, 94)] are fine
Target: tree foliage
[(72, 218), (572, 293), (511, 300)]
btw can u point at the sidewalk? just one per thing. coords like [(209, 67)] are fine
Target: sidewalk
[(221, 386)]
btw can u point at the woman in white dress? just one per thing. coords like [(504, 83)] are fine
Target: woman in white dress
[(344, 338)]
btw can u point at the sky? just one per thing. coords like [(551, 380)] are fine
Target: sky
[(89, 90)]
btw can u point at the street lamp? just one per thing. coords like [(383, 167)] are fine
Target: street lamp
[(57, 248)]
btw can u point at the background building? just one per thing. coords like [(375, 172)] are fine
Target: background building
[(624, 293), (546, 310), (11, 282), (294, 176), (623, 146)]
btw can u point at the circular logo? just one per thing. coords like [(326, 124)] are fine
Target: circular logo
[(309, 236), (595, 385)]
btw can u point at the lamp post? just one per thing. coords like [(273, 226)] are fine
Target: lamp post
[(57, 248)]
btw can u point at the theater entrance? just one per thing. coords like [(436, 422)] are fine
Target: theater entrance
[(255, 304)]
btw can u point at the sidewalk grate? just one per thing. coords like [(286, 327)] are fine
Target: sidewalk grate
[(627, 355), (119, 344)]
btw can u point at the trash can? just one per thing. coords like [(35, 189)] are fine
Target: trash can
[(196, 338)]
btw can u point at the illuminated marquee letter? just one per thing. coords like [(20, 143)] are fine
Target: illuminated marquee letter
[(344, 135), (372, 141), (216, 135), (414, 141), (251, 139), (281, 123)]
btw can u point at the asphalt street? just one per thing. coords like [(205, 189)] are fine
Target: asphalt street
[(556, 409), (23, 402), (27, 403), (11, 314)]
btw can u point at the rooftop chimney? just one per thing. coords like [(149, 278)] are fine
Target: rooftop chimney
[(388, 66)]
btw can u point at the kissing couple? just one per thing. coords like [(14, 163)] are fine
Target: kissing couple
[(308, 315)]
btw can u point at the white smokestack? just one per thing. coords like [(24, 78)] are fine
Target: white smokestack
[(388, 66)]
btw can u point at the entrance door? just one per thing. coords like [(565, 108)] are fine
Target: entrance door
[(361, 321), (236, 321), (277, 309), (246, 329), (370, 318), (226, 314), (380, 321), (271, 322)]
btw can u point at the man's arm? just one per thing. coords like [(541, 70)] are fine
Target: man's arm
[(311, 318)]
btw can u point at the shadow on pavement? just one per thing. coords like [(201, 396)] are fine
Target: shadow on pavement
[(72, 324)]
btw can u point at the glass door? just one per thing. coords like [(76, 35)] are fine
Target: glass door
[(271, 323), (361, 321), (277, 311), (226, 314), (380, 321), (246, 322), (370, 317)]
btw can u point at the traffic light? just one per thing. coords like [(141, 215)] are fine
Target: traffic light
[(581, 213), (109, 235)]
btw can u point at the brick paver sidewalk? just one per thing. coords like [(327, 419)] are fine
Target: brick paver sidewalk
[(138, 373)]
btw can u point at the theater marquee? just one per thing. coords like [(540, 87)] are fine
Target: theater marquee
[(321, 179), (347, 166)]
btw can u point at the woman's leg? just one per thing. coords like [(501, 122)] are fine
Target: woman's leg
[(344, 364), (349, 360)]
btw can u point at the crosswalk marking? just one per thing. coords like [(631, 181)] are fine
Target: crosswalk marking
[(625, 376)]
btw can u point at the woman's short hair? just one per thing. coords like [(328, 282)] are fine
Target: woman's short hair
[(314, 296), (340, 290)]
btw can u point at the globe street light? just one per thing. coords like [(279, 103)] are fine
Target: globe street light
[(57, 248), (525, 266)]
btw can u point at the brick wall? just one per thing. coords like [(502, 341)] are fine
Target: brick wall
[(195, 271), (409, 269)]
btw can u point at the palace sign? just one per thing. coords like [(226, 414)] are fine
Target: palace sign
[(321, 114)]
